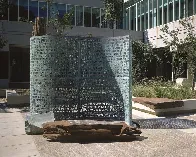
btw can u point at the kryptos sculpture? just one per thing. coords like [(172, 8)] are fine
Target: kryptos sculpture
[(81, 78)]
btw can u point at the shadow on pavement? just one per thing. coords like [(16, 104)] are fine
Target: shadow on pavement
[(5, 111), (97, 139), (165, 123), (3, 108)]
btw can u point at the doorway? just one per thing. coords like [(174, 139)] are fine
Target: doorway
[(19, 64)]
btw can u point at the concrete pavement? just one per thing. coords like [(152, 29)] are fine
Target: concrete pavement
[(156, 143), (159, 143), (13, 140)]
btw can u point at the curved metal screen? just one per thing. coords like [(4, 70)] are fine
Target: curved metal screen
[(80, 78)]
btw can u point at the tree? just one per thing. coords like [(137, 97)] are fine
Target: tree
[(143, 54), (113, 11), (2, 42), (3, 8), (183, 50), (59, 23)]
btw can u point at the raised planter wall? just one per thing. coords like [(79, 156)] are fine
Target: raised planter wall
[(18, 100), (189, 106)]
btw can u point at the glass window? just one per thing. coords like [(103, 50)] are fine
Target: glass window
[(132, 17), (142, 15), (61, 9), (147, 21), (150, 3), (23, 10), (150, 13), (165, 14), (151, 19), (182, 9), (176, 10), (79, 15), (154, 13), (160, 3), (13, 10), (52, 10), (170, 12), (33, 10), (142, 7), (71, 8), (142, 22), (127, 19), (138, 24), (42, 9), (103, 21), (119, 24), (190, 7), (95, 17), (145, 6), (138, 16), (160, 13), (194, 8), (160, 16)]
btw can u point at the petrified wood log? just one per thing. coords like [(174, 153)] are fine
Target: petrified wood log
[(65, 130), (39, 28)]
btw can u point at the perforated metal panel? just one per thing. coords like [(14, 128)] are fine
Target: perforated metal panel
[(80, 78)]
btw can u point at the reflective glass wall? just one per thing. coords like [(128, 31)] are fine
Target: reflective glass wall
[(28, 10), (147, 14)]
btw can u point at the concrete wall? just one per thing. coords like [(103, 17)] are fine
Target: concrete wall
[(19, 33), (101, 32), (153, 35)]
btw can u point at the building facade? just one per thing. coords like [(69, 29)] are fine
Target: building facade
[(150, 16), (85, 13), (16, 27), (147, 14)]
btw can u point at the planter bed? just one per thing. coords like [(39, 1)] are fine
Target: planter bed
[(17, 100)]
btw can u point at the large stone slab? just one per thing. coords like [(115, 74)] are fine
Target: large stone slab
[(158, 103), (164, 106)]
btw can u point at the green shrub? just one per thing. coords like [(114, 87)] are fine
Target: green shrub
[(174, 93), (141, 91), (161, 89)]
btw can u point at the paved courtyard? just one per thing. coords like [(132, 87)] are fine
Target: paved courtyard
[(158, 142)]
